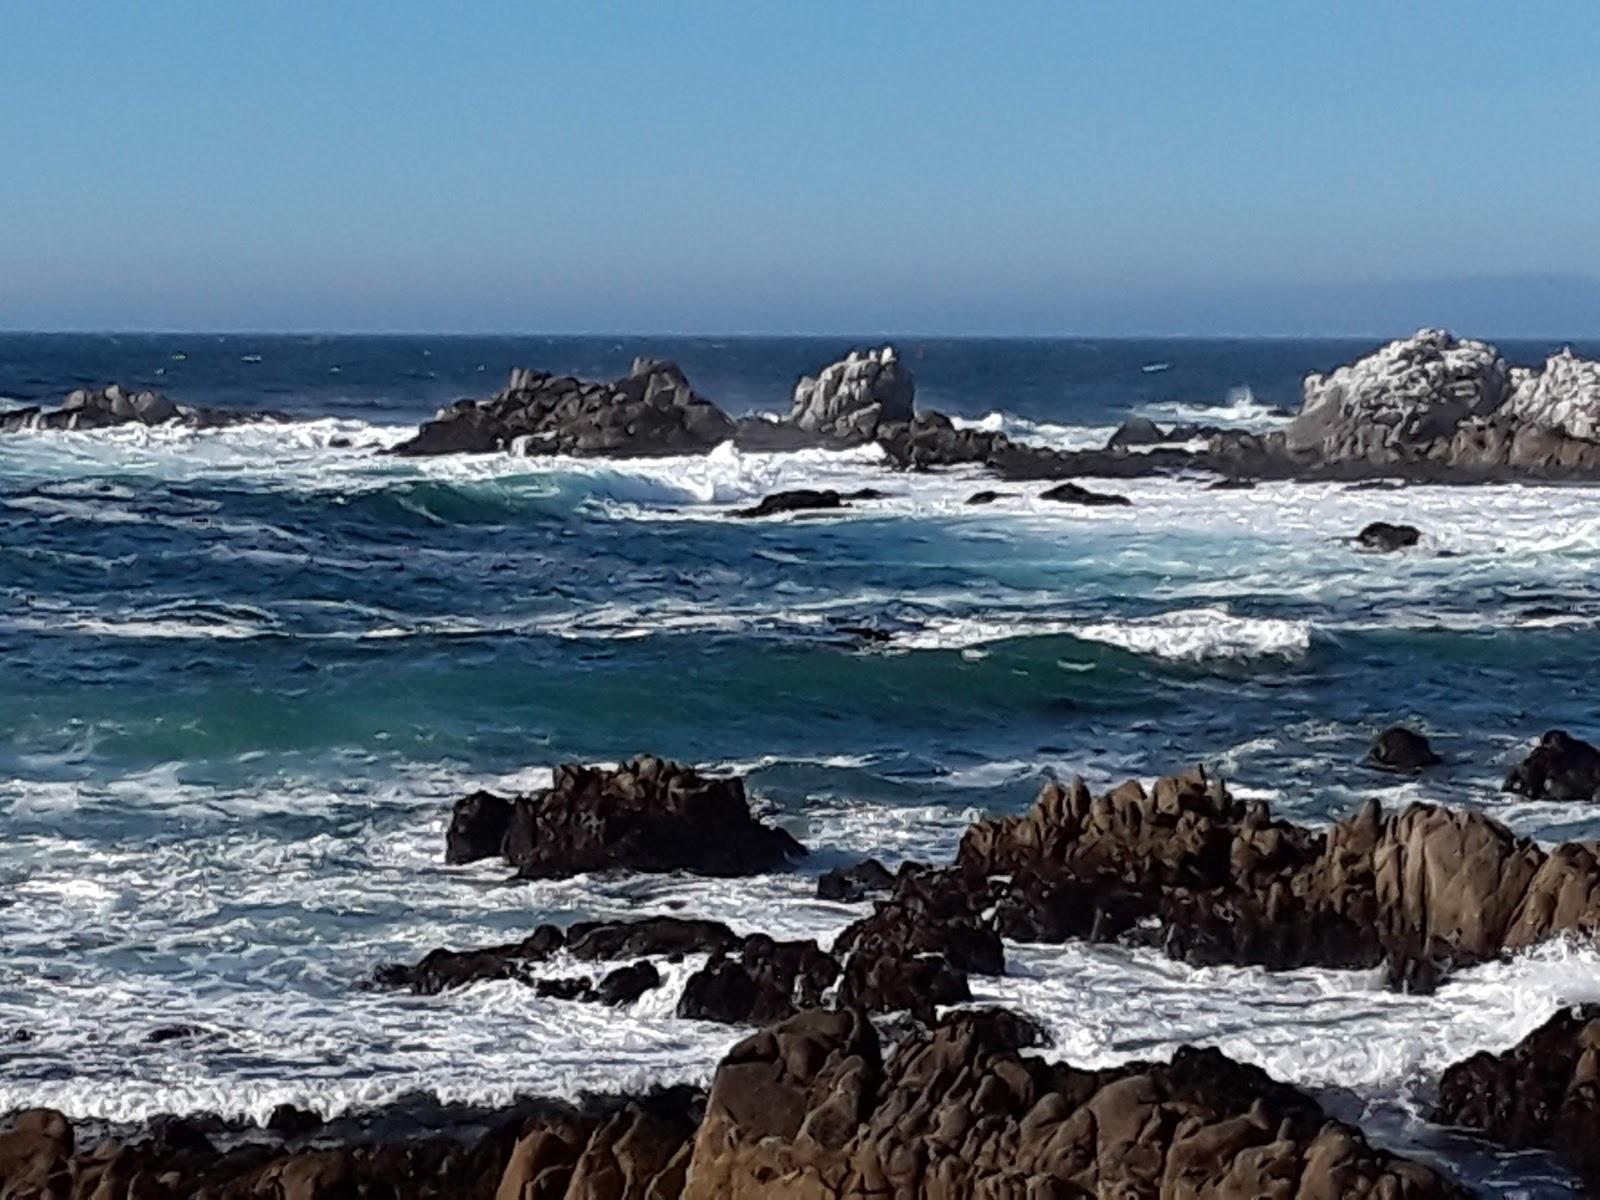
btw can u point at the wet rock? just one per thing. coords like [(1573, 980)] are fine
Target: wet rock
[(985, 497), (441, 970), (810, 1108), (1137, 431), (1072, 493), (478, 826), (114, 406), (1401, 751), (1561, 767), (650, 411), (666, 937), (764, 981), (627, 984), (649, 814), (173, 1033), (1384, 537), (1541, 1093), (850, 884), (292, 1122), (805, 500)]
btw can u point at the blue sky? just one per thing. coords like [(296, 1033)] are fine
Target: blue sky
[(1025, 168)]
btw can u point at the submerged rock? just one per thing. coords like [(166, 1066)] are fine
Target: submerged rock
[(1072, 493), (806, 499), (1560, 767), (1539, 1094), (1384, 537), (810, 1108), (1402, 751), (650, 411), (850, 884)]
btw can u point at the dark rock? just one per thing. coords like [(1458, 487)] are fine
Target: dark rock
[(647, 815), (443, 969), (1230, 485), (579, 987), (765, 982), (668, 937), (850, 884), (1561, 767), (1539, 1094), (627, 984), (1384, 537), (1137, 431), (1071, 493), (959, 1112), (478, 826), (650, 411), (173, 1033), (804, 500), (1401, 751), (985, 497), (113, 406), (293, 1122)]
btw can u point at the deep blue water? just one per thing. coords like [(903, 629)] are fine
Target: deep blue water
[(244, 673)]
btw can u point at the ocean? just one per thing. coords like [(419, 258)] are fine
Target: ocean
[(245, 672)]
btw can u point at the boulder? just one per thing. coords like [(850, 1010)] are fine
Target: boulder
[(850, 884), (804, 500), (1384, 537), (646, 815), (1560, 767), (114, 406), (1541, 1093), (810, 1109), (1072, 493), (848, 400), (478, 827), (764, 981), (651, 411), (1401, 751), (1136, 431)]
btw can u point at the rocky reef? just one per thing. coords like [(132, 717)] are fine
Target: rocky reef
[(114, 406), (650, 411)]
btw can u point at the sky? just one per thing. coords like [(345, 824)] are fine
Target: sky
[(1136, 167)]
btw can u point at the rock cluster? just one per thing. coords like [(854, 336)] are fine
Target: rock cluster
[(848, 400), (806, 500), (1544, 1092), (1565, 395), (611, 1150), (646, 815), (650, 411), (1560, 767), (109, 407), (810, 1110)]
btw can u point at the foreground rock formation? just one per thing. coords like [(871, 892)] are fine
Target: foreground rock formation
[(110, 407), (646, 815), (1560, 767), (810, 1111), (1542, 1093), (650, 411)]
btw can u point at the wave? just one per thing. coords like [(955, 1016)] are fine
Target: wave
[(1189, 635), (1039, 433), (1241, 410)]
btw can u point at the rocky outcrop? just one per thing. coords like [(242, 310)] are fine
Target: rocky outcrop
[(1565, 395), (850, 884), (848, 400), (1401, 398), (646, 815), (607, 1150), (1561, 767), (764, 980), (1401, 751), (650, 411), (1386, 538), (810, 1110), (109, 407), (1542, 1093), (1214, 880)]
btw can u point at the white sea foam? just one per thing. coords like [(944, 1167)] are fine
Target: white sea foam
[(1187, 635)]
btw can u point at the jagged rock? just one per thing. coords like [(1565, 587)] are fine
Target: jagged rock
[(1541, 1093), (1561, 767), (109, 407), (849, 399), (649, 814), (1565, 396), (609, 1150), (478, 826), (809, 1109), (1136, 431), (1402, 397), (1072, 493), (1212, 880), (442, 969), (627, 984), (1401, 751), (668, 937), (849, 884), (1384, 537), (805, 499), (767, 981), (650, 411)]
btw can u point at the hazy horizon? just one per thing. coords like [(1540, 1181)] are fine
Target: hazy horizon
[(1254, 170)]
